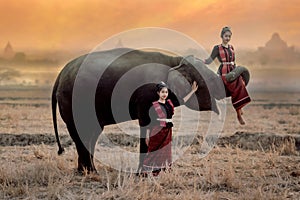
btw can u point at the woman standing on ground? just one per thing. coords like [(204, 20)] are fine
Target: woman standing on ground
[(236, 89), (159, 155)]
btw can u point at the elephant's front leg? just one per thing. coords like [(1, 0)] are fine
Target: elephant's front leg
[(143, 147)]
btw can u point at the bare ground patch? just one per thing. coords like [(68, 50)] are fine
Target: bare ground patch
[(285, 144)]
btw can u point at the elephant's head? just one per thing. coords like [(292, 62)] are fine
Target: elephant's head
[(210, 85)]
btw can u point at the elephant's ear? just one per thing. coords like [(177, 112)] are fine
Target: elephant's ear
[(177, 83)]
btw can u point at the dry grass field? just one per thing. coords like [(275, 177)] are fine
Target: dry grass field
[(257, 161)]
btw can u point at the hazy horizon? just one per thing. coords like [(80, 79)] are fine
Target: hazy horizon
[(32, 50)]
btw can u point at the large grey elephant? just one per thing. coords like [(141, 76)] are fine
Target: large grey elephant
[(95, 86)]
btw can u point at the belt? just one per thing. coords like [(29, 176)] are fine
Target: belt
[(166, 120), (228, 63)]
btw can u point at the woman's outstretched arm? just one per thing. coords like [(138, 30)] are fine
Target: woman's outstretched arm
[(194, 89), (213, 55)]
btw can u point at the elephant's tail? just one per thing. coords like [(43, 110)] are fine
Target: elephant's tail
[(54, 103)]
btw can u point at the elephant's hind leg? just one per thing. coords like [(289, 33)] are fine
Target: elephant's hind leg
[(93, 141), (84, 150)]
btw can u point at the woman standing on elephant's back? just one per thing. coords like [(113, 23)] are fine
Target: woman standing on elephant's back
[(236, 89), (159, 131)]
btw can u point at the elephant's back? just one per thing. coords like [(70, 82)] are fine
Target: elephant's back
[(114, 63), (119, 58)]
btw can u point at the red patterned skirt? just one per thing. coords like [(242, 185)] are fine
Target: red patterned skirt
[(237, 90), (159, 155)]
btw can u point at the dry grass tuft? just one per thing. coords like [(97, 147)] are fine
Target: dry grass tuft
[(225, 173)]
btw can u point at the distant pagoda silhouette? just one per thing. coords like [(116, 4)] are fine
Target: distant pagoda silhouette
[(276, 44), (276, 50), (8, 52)]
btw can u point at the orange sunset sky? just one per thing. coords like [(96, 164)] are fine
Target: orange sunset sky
[(83, 24)]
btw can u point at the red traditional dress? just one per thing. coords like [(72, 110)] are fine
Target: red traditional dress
[(159, 155), (236, 89)]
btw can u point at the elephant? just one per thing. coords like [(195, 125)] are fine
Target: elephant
[(95, 98)]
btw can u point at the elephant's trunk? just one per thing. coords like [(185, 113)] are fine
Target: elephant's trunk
[(236, 72)]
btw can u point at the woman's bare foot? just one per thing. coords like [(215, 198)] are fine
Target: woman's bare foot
[(239, 116), (242, 122)]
